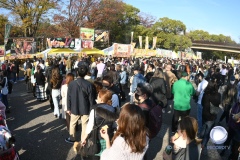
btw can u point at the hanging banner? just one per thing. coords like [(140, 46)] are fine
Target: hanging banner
[(140, 41), (2, 50), (122, 50), (146, 43), (87, 34), (131, 37), (7, 30), (154, 42)]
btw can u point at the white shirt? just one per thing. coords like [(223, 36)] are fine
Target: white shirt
[(201, 87), (224, 72)]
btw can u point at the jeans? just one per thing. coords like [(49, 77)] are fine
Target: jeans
[(206, 135), (14, 76), (199, 117), (56, 100), (5, 100)]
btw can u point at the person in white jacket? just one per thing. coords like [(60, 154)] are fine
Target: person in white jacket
[(64, 89)]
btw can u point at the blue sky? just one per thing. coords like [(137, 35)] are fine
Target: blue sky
[(213, 16)]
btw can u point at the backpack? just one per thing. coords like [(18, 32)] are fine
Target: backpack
[(155, 119), (10, 87)]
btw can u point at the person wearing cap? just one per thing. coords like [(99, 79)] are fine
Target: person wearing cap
[(81, 96), (182, 90), (229, 98), (137, 78)]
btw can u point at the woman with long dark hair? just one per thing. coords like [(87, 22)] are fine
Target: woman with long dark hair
[(159, 88), (130, 141), (40, 85), (55, 84), (211, 98)]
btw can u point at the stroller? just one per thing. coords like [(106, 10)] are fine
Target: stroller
[(7, 146)]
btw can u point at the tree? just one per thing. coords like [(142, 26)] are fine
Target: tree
[(29, 11), (199, 35), (146, 20), (169, 26), (3, 21)]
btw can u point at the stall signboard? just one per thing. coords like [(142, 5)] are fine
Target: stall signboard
[(87, 44), (87, 34), (122, 50), (23, 46), (145, 52), (60, 42), (1, 50), (101, 35)]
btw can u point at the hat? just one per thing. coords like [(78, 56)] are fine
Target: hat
[(232, 78), (184, 74)]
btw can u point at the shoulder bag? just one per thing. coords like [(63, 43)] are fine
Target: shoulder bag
[(92, 145)]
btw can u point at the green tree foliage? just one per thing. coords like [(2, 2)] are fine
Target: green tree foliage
[(171, 34), (3, 21), (199, 35)]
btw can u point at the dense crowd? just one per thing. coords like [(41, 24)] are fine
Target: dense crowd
[(95, 91)]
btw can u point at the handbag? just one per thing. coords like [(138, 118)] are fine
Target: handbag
[(93, 145), (213, 109)]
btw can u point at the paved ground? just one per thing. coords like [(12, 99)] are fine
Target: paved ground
[(40, 135)]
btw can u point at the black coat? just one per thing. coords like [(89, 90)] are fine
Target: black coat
[(81, 97), (159, 90), (215, 99)]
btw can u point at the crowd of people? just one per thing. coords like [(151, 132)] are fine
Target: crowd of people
[(95, 91)]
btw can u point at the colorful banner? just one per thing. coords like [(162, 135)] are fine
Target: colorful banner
[(140, 41), (60, 43), (87, 44), (122, 50), (22, 46), (87, 34), (101, 35), (2, 50), (146, 43)]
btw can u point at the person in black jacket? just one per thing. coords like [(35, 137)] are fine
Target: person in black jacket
[(48, 75), (81, 97), (159, 88)]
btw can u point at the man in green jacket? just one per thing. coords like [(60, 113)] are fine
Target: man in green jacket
[(182, 90)]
